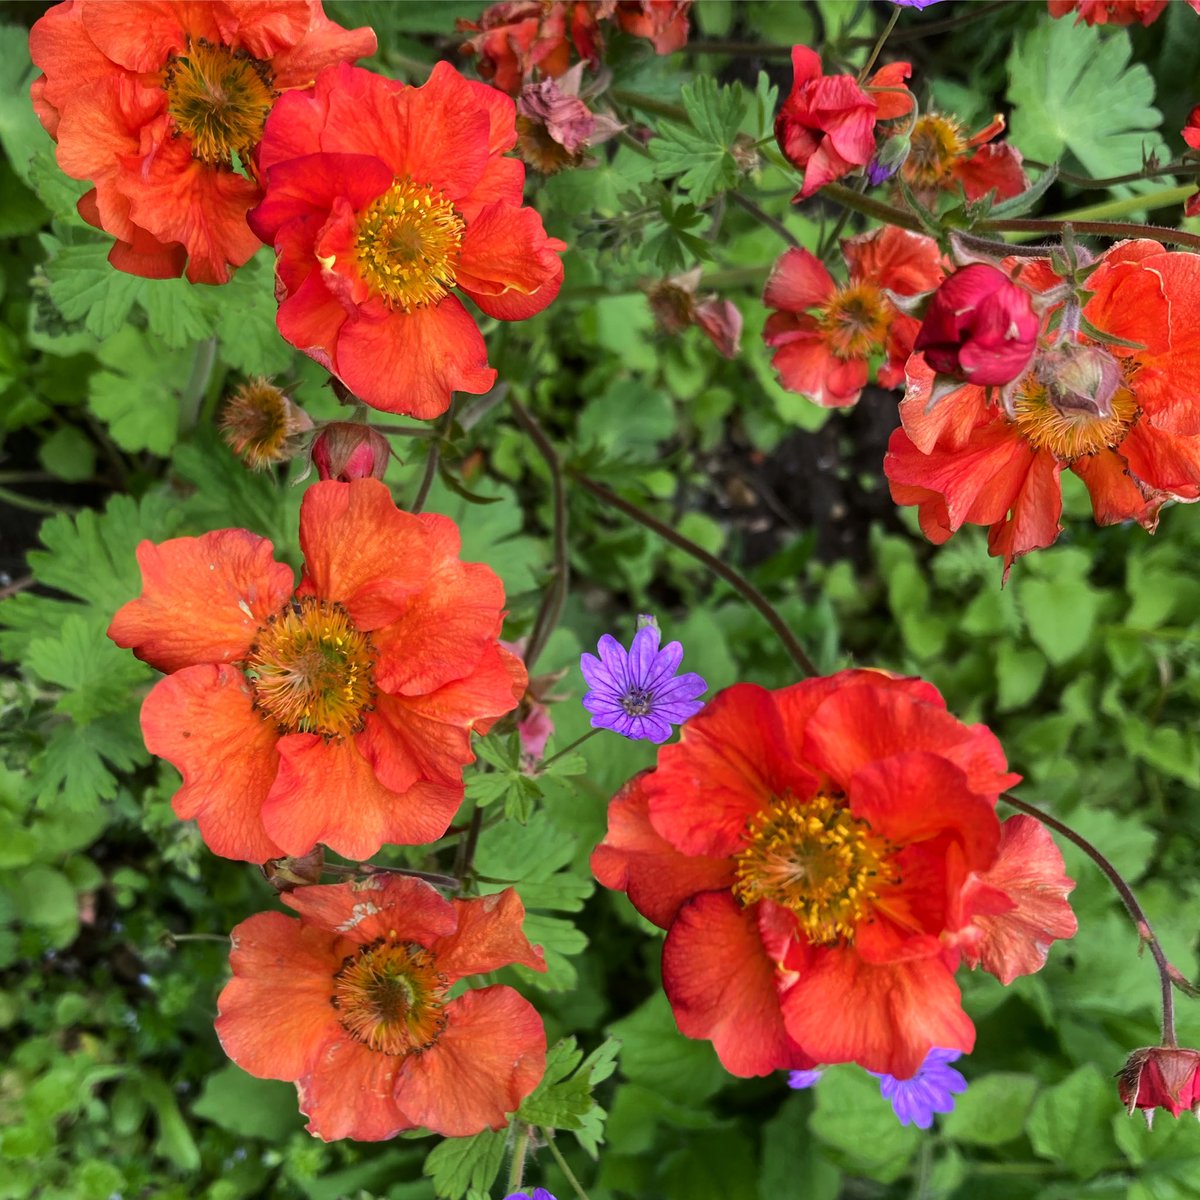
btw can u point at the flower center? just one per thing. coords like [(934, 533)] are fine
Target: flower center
[(408, 243), (390, 997), (816, 860), (936, 142), (1070, 433), (311, 670), (637, 702), (855, 321), (220, 98)]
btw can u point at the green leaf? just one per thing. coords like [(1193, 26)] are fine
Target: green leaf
[(789, 1154), (459, 1165), (1073, 89), (248, 1107), (73, 768), (68, 453), (700, 155), (992, 1110), (859, 1126), (717, 1165), (1070, 1121), (563, 1100), (134, 396), (1060, 612), (84, 286), (99, 676)]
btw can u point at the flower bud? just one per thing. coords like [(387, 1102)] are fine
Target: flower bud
[(980, 327), (287, 874), (1079, 378), (1161, 1077), (888, 159), (346, 450)]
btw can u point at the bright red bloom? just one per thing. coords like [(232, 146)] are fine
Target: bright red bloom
[(980, 326), (1161, 1077), (824, 354), (1124, 420), (339, 711), (1109, 12), (350, 1003), (156, 103), (941, 156), (1191, 128), (826, 126), (380, 199), (820, 856), (663, 22)]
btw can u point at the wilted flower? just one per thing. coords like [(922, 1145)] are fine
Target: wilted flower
[(1161, 1077), (555, 127), (1109, 12), (663, 22), (161, 106), (346, 450), (941, 156), (301, 870), (638, 694), (676, 306), (979, 327), (931, 1090), (259, 421)]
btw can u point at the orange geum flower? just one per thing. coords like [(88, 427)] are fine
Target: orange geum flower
[(161, 105), (339, 711), (351, 1003), (824, 353), (942, 156), (380, 199), (823, 857), (1121, 415)]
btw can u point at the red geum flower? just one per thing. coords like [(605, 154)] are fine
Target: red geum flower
[(1161, 1077), (157, 103), (380, 198), (663, 22), (980, 327), (826, 126), (351, 1004), (339, 711), (1191, 128), (1109, 12), (516, 38), (814, 853), (941, 156), (824, 354), (1123, 419)]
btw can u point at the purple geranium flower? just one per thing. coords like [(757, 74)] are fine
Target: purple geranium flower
[(538, 1194), (638, 694), (931, 1090), (799, 1080)]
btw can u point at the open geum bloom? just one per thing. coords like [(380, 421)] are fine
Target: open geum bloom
[(339, 711), (381, 198), (162, 105), (1123, 418), (351, 1003), (824, 334), (823, 857)]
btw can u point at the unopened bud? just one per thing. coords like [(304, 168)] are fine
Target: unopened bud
[(346, 450), (287, 874), (1080, 379), (888, 159)]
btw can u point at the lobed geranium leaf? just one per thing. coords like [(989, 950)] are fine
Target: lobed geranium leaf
[(459, 1165)]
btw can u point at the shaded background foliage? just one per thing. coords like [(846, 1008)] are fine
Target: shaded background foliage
[(113, 916)]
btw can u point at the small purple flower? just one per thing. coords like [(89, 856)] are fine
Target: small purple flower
[(799, 1080), (538, 1194), (637, 694), (931, 1090), (915, 3)]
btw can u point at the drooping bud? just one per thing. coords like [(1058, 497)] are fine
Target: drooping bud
[(287, 874), (676, 306), (980, 327), (1161, 1077), (888, 159), (346, 450), (1080, 378), (259, 422), (555, 127)]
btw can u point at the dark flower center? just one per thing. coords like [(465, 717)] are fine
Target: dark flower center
[(637, 702)]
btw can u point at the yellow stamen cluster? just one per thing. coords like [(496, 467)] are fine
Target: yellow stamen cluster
[(311, 670), (408, 245), (815, 859), (855, 321), (1066, 432), (936, 143), (390, 996), (219, 98), (258, 422)]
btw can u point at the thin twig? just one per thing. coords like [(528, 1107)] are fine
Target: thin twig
[(735, 579), (1178, 167), (432, 458), (17, 585), (765, 218), (877, 49), (563, 1166), (556, 595), (465, 859)]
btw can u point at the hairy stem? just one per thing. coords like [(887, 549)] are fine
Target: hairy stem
[(567, 748), (516, 1169), (563, 1166)]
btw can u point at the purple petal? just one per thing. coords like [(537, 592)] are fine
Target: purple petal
[(615, 660), (804, 1079), (642, 654), (684, 687), (595, 672), (665, 665)]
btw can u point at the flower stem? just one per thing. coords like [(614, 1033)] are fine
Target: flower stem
[(764, 217), (204, 358), (1082, 181), (1123, 205), (548, 1134), (735, 579), (448, 882), (431, 462), (556, 596), (465, 859), (878, 47), (516, 1169), (1169, 975), (568, 748)]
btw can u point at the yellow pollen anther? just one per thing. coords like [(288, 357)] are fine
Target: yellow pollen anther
[(408, 245), (815, 859), (220, 99), (855, 321), (936, 143), (1070, 433), (311, 670), (390, 996)]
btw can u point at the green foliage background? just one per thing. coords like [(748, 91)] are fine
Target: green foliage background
[(113, 916)]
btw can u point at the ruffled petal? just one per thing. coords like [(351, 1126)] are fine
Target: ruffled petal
[(275, 1016), (203, 599), (399, 907), (1116, 495), (798, 281), (202, 720), (489, 936), (508, 265), (350, 1093), (489, 1057), (722, 986)]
